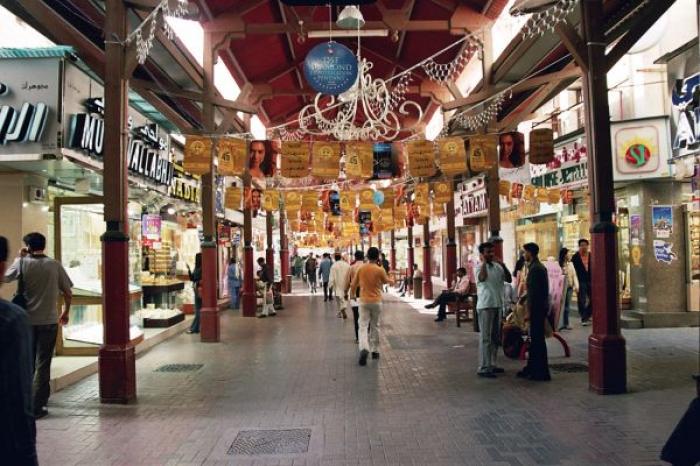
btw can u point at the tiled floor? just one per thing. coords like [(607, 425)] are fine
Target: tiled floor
[(419, 404)]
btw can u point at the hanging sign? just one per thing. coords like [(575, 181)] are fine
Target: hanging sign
[(504, 188), (330, 68), (421, 194), (359, 157), (516, 190), (453, 156), (366, 199), (541, 195), (541, 145), (197, 159), (482, 152), (383, 164), (232, 155), (326, 159), (400, 212), (309, 200), (271, 200), (439, 210), (421, 158), (292, 201), (528, 192), (389, 197), (295, 159), (253, 198), (232, 199), (511, 150), (348, 201), (442, 192)]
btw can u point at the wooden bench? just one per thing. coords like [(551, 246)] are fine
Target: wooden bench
[(464, 310)]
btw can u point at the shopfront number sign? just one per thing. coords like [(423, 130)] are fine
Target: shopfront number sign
[(359, 157), (330, 68), (483, 152)]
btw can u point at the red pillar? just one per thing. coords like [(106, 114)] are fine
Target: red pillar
[(451, 247), (392, 251), (284, 254), (607, 373), (427, 277), (410, 258), (116, 357), (209, 314), (248, 301), (270, 251)]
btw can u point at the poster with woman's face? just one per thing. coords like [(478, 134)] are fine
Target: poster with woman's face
[(253, 199), (261, 160), (511, 150)]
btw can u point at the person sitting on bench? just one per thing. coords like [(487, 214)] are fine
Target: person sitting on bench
[(453, 294)]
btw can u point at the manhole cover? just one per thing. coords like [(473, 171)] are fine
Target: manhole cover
[(569, 367), (179, 368), (271, 442)]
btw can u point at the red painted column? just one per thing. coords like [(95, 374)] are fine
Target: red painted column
[(410, 258), (284, 253), (116, 357), (248, 301), (427, 276), (209, 314), (270, 251), (607, 373), (451, 247), (392, 251)]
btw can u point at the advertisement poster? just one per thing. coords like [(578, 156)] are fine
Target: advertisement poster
[(662, 221), (421, 158), (150, 229), (635, 227), (511, 150), (663, 251), (383, 166)]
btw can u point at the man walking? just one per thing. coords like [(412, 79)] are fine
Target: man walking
[(453, 294), (42, 280), (537, 367), (339, 282), (370, 277), (353, 293), (310, 269), (18, 442), (324, 272), (582, 262), (491, 274)]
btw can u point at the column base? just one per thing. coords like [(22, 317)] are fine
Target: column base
[(210, 328), (607, 364), (427, 289), (117, 373), (249, 304)]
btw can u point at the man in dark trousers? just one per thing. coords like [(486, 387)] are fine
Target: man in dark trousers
[(582, 266), (353, 295), (537, 367)]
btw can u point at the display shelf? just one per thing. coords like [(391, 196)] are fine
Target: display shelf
[(692, 225)]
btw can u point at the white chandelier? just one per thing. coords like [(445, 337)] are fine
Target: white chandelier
[(370, 99)]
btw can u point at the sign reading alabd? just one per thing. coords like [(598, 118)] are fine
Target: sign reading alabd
[(330, 68)]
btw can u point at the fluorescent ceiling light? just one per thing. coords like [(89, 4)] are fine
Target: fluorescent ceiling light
[(347, 33)]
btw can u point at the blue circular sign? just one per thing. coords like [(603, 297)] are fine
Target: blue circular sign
[(330, 68)]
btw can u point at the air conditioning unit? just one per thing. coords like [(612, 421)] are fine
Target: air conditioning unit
[(37, 194)]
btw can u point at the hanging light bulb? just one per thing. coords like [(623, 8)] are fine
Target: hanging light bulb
[(350, 18)]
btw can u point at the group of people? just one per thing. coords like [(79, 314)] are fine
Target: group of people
[(28, 331)]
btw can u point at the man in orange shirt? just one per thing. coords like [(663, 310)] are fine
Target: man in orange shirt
[(370, 278)]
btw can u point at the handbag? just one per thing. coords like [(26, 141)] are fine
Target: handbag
[(19, 298)]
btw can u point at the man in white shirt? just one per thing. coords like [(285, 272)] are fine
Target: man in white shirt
[(490, 277), (454, 294), (339, 282)]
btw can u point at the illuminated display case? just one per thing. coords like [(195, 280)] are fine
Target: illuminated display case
[(78, 224), (692, 224)]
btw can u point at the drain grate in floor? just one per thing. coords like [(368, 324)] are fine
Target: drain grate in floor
[(570, 367), (271, 442), (179, 368)]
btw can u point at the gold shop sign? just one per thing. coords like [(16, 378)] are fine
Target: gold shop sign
[(197, 158), (541, 145), (389, 197), (541, 195), (348, 201), (367, 199), (504, 188), (295, 159), (554, 195), (453, 156), (483, 152), (442, 192), (309, 200), (232, 198), (292, 201), (271, 200), (232, 155), (421, 194), (529, 192), (359, 158), (326, 159), (421, 158)]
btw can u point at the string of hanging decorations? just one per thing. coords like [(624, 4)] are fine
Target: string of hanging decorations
[(444, 72), (545, 20), (156, 18)]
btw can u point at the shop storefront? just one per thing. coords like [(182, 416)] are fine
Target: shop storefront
[(474, 229)]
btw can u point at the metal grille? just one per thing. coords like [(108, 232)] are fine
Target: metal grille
[(179, 368), (271, 442), (570, 367)]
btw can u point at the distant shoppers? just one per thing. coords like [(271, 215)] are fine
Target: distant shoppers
[(42, 279), (18, 439), (339, 282), (233, 276), (582, 262), (570, 280), (324, 272), (537, 367), (196, 279), (370, 277), (298, 265), (459, 291), (264, 290), (490, 277), (310, 269), (353, 293), (264, 272)]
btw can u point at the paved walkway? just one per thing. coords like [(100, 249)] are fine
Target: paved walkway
[(421, 403)]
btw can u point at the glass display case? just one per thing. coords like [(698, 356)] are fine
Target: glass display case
[(78, 224), (542, 230), (692, 235)]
